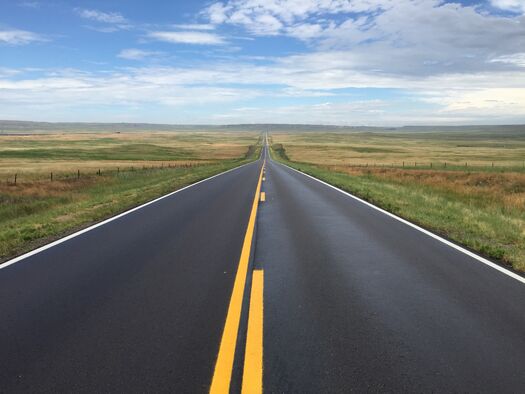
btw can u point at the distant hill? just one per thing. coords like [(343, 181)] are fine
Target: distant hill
[(25, 127)]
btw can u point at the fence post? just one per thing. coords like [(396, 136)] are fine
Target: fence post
[(78, 174), (403, 164), (15, 178)]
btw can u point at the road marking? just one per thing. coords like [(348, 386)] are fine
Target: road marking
[(252, 379), (264, 178), (263, 196), (483, 260), (223, 367), (94, 226)]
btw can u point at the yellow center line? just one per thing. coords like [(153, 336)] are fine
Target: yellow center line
[(252, 379), (223, 367)]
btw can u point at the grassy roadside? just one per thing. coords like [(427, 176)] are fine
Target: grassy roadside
[(482, 211), (36, 212)]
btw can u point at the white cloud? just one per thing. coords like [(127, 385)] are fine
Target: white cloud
[(8, 72), (104, 22), (509, 5), (517, 59), (137, 54), (216, 13), (425, 37), (451, 97), (29, 4), (305, 31), (492, 101), (120, 95), (270, 17), (195, 26), (357, 112), (187, 37), (19, 37), (103, 17)]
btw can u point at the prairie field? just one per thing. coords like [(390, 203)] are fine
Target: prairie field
[(420, 149), (37, 155), (97, 175), (480, 205)]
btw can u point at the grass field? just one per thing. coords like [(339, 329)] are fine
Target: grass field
[(36, 156), (134, 168), (420, 149), (480, 206)]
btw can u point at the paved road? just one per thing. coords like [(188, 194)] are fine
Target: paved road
[(353, 300)]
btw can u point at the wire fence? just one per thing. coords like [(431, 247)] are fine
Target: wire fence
[(78, 174), (453, 166)]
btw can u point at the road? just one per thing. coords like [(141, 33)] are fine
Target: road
[(309, 291)]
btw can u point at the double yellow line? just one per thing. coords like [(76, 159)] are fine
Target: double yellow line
[(252, 375)]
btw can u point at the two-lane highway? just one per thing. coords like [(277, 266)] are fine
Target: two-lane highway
[(254, 280)]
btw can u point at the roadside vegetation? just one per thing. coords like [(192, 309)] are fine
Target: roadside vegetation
[(481, 205), (66, 182)]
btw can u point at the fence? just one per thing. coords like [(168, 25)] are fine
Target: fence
[(490, 166), (17, 177)]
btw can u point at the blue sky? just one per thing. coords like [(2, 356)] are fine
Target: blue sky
[(349, 62)]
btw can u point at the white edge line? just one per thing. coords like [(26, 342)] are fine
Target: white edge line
[(94, 226), (415, 226)]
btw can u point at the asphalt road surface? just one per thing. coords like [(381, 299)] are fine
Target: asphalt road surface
[(354, 300)]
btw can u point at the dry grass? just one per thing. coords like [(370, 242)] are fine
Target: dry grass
[(28, 170), (43, 189), (455, 149), (36, 156), (505, 189)]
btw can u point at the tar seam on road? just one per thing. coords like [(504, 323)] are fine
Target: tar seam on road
[(416, 227), (92, 227), (252, 379), (224, 365)]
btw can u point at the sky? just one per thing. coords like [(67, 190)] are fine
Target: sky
[(341, 62)]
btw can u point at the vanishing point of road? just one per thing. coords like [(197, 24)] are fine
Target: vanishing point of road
[(259, 279)]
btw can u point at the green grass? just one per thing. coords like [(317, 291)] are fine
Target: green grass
[(480, 220), (121, 152), (35, 212)]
